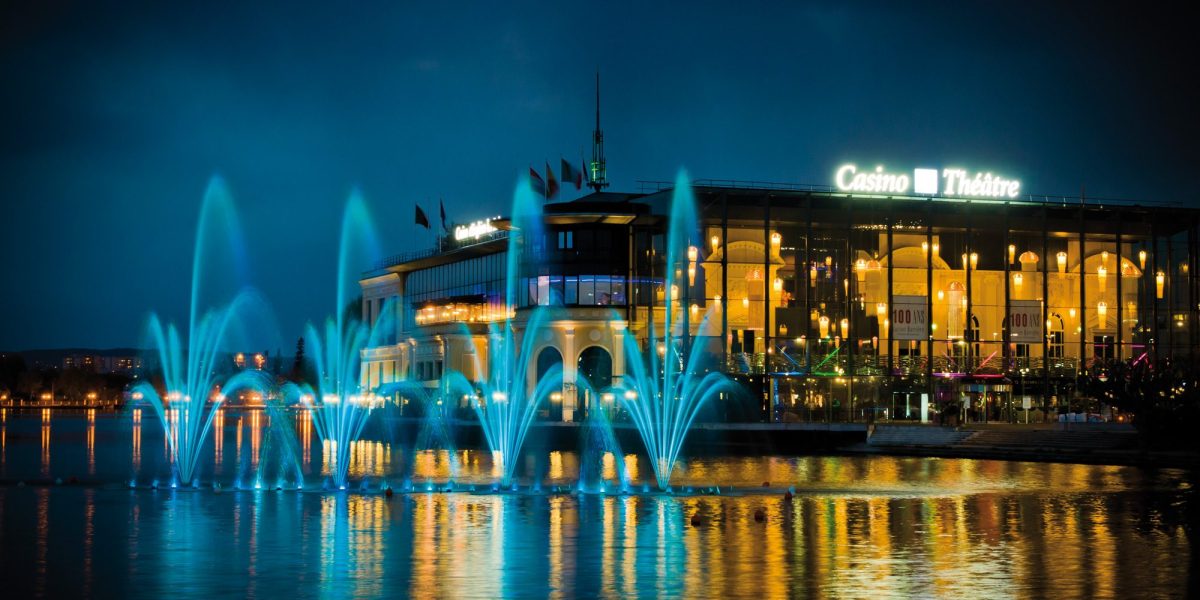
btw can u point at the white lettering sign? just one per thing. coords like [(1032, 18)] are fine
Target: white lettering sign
[(910, 317), (1025, 321), (473, 231), (925, 182)]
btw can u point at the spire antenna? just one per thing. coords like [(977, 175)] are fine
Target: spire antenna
[(598, 177)]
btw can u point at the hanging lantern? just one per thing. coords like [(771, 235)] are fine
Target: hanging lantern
[(692, 274), (1104, 258), (1102, 314), (777, 285), (1101, 276), (1142, 259), (881, 309), (776, 239), (715, 241), (1062, 262), (964, 260), (974, 260), (924, 249), (1012, 253), (693, 253), (1018, 279), (824, 326), (845, 328), (1160, 279), (783, 329)]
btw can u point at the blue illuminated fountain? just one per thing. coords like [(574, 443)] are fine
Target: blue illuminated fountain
[(191, 387), (435, 431), (501, 399), (667, 384), (338, 403)]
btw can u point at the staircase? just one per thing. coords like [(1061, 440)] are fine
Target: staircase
[(1034, 440), (893, 436)]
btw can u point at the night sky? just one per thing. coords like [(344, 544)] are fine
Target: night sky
[(113, 120)]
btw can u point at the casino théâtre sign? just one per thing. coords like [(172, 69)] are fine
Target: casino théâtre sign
[(926, 182)]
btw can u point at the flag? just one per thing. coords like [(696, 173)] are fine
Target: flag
[(551, 183), (421, 219), (443, 209), (571, 174), (536, 182)]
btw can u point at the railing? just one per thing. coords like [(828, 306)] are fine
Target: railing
[(759, 363), (448, 246)]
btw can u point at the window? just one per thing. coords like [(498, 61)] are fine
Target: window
[(572, 293), (587, 289), (566, 240)]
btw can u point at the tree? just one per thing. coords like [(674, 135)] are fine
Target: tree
[(299, 363)]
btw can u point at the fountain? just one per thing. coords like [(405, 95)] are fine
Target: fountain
[(435, 431), (667, 384), (501, 400), (191, 390), (339, 405)]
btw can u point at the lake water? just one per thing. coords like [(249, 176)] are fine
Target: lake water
[(857, 527)]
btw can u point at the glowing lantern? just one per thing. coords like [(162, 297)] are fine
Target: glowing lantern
[(941, 295), (824, 326), (746, 302), (1104, 258), (846, 286), (715, 241), (1018, 279), (812, 276), (1160, 279), (1062, 262), (1102, 314), (693, 253), (776, 239), (845, 327), (1071, 312), (1101, 275), (1142, 258), (828, 261), (964, 259), (935, 248), (777, 284), (881, 309), (924, 249), (1012, 253), (783, 329), (692, 274), (974, 259)]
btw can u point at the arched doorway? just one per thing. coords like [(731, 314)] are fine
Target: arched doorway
[(547, 359), (595, 375)]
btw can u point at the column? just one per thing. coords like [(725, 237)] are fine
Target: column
[(569, 371)]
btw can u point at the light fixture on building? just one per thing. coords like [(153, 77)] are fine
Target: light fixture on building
[(1102, 314), (1142, 259), (1012, 253), (1018, 279), (880, 309), (845, 328), (1104, 258), (674, 292), (777, 285), (828, 260), (1071, 312), (693, 253), (935, 248), (1160, 279), (941, 295), (924, 249), (1101, 276), (814, 315), (716, 242), (1062, 262), (974, 260), (846, 286), (964, 260), (746, 302), (812, 276), (776, 239), (860, 269), (823, 328), (692, 274), (717, 299), (695, 310)]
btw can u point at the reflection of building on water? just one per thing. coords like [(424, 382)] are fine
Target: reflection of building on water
[(827, 306)]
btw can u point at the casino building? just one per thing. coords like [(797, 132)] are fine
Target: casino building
[(944, 295)]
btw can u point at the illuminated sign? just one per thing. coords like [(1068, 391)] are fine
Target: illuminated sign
[(926, 182), (910, 317), (474, 230), (1025, 321)]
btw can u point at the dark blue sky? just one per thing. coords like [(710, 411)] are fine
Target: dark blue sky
[(114, 118)]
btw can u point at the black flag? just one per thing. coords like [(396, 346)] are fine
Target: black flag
[(442, 207), (421, 219)]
